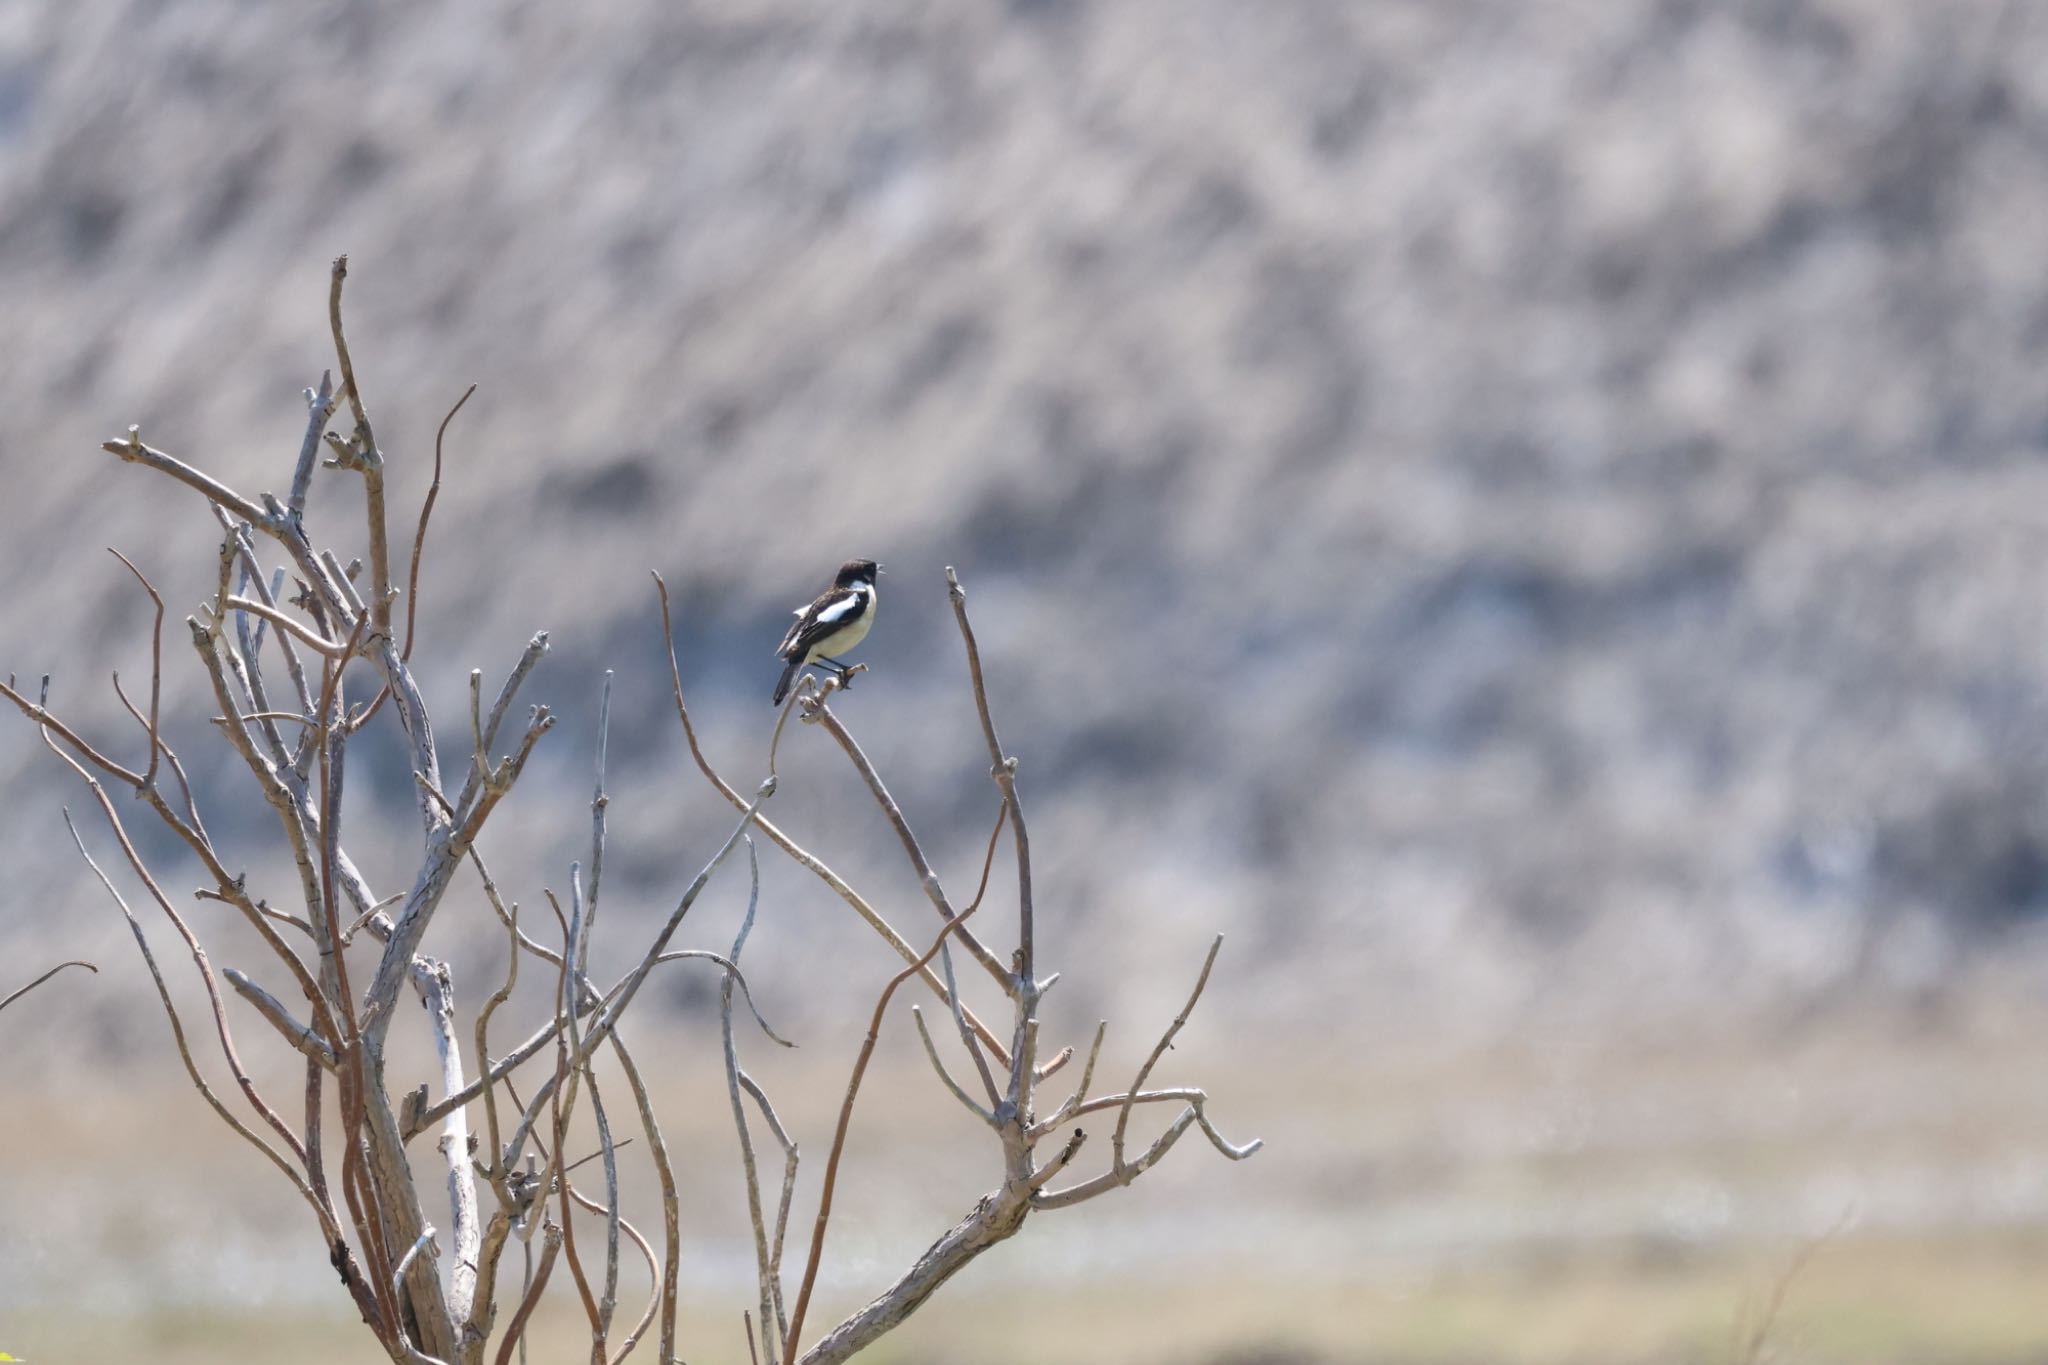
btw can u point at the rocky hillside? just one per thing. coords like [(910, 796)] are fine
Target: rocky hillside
[(1514, 511)]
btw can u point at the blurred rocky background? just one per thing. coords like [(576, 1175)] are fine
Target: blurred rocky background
[(1530, 519)]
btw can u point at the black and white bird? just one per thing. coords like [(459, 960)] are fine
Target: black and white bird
[(837, 621)]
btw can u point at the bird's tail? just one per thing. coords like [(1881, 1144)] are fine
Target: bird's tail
[(788, 677)]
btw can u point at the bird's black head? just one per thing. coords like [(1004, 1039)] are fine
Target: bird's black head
[(857, 571)]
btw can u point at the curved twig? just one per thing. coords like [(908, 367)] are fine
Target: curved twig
[(860, 1066), (45, 977)]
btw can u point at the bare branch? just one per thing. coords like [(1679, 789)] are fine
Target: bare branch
[(272, 520), (326, 1216), (860, 1066), (1004, 770), (671, 1219), (284, 621), (319, 407), (421, 1243), (199, 960), (1060, 1162), (156, 664), (802, 857), (486, 735), (621, 995), (647, 1252), (1066, 1110), (608, 1302), (300, 1036), (40, 714), (931, 1051), (561, 1098), (362, 455), (16, 995), (790, 1157), (1123, 1118), (419, 546), (927, 877), (767, 1268), (551, 1242), (437, 991), (177, 768)]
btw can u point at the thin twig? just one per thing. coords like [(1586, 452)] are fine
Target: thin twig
[(1123, 1118), (767, 1271), (297, 628), (1004, 770), (551, 1242), (369, 1308), (939, 1066), (804, 859), (156, 663), (621, 995), (671, 1219), (1066, 1109), (303, 1037), (419, 545), (608, 1302), (860, 1066), (199, 959), (45, 977), (363, 455), (927, 876), (561, 1096)]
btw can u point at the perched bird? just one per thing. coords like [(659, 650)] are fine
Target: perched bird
[(837, 621)]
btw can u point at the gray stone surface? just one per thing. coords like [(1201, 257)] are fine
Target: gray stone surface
[(1507, 509)]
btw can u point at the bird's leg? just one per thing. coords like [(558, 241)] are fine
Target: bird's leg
[(845, 672)]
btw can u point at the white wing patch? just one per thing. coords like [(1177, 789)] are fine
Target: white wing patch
[(840, 609)]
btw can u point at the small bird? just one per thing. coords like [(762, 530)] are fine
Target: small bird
[(837, 621)]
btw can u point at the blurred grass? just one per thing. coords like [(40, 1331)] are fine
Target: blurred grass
[(1511, 1207), (1969, 1301)]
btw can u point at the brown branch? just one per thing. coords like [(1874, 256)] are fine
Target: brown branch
[(767, 1267), (560, 1104), (419, 545), (356, 1092), (177, 768), (621, 995), (319, 407), (362, 455), (270, 519), (40, 714), (551, 1242), (1123, 1118), (156, 662), (251, 644), (301, 1036), (16, 995), (647, 1252), (803, 858), (1004, 770), (671, 1220), (860, 1066), (927, 877), (199, 959), (329, 1227), (285, 621)]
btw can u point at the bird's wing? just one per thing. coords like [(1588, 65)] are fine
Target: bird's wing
[(831, 611), (787, 649), (838, 608)]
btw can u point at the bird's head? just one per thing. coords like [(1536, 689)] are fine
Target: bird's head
[(857, 571)]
